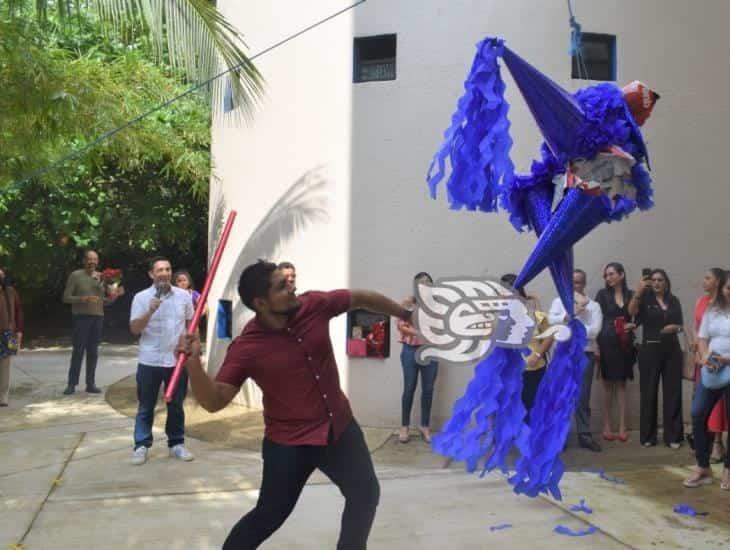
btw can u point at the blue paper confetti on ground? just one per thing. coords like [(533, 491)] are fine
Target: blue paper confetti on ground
[(563, 530), (603, 475), (687, 510), (500, 527), (581, 507)]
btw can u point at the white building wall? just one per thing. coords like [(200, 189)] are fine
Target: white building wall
[(287, 173), (375, 140)]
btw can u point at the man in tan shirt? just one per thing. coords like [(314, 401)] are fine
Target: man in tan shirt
[(86, 293)]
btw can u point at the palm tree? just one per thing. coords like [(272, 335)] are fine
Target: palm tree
[(191, 35)]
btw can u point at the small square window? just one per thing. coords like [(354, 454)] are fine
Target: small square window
[(374, 58), (368, 334), (598, 58)]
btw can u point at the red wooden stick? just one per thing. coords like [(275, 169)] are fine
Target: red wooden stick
[(195, 321)]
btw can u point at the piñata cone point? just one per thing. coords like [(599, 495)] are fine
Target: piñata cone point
[(539, 202), (556, 112), (576, 215)]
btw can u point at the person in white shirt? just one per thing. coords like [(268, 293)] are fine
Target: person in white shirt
[(714, 349), (159, 316), (589, 313)]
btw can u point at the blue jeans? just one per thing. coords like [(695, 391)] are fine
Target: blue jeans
[(410, 380), (149, 380), (702, 404)]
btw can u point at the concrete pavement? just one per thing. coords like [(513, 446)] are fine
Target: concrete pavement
[(66, 482)]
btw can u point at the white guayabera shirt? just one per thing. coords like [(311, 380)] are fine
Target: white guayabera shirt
[(591, 317), (160, 337)]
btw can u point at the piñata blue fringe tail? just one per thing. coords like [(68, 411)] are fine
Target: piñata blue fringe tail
[(488, 420), (478, 142), (539, 469)]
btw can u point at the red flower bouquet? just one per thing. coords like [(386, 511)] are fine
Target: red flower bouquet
[(111, 278), (376, 340)]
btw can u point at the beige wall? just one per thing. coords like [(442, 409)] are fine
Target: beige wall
[(372, 144)]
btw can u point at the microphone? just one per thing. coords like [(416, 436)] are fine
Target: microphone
[(162, 289)]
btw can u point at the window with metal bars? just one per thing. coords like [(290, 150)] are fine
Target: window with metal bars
[(374, 58), (597, 59)]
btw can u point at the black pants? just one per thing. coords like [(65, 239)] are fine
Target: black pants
[(530, 384), (86, 336), (661, 360), (286, 469), (583, 410)]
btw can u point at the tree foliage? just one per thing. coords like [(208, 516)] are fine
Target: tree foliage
[(190, 35), (143, 191)]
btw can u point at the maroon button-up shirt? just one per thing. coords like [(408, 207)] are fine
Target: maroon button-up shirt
[(296, 370)]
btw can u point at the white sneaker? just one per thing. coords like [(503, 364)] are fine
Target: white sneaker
[(139, 456), (179, 451)]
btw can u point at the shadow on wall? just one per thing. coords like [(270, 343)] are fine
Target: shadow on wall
[(217, 218), (303, 204)]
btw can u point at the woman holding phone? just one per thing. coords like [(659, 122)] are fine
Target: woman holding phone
[(659, 312)]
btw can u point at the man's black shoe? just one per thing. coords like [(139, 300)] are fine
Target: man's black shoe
[(587, 442), (69, 390), (92, 389)]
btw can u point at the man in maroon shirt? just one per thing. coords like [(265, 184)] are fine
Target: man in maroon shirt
[(286, 350)]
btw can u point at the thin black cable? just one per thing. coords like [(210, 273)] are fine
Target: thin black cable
[(112, 133)]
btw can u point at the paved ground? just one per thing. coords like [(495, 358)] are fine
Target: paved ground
[(66, 482)]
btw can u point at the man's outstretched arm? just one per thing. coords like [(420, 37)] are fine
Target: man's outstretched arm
[(377, 303), (212, 396)]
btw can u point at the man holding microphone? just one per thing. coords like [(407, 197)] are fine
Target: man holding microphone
[(159, 317)]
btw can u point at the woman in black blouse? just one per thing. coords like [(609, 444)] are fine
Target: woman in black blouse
[(660, 314), (615, 346)]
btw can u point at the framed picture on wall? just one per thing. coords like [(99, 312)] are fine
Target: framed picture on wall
[(368, 334)]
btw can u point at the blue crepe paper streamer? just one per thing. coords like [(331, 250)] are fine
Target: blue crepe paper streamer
[(687, 510), (500, 527), (540, 469), (581, 507), (563, 530), (477, 143), (487, 421)]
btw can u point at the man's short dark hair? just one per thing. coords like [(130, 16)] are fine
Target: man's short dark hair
[(152, 261), (287, 265), (255, 282), (583, 274), (510, 278), (421, 275)]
